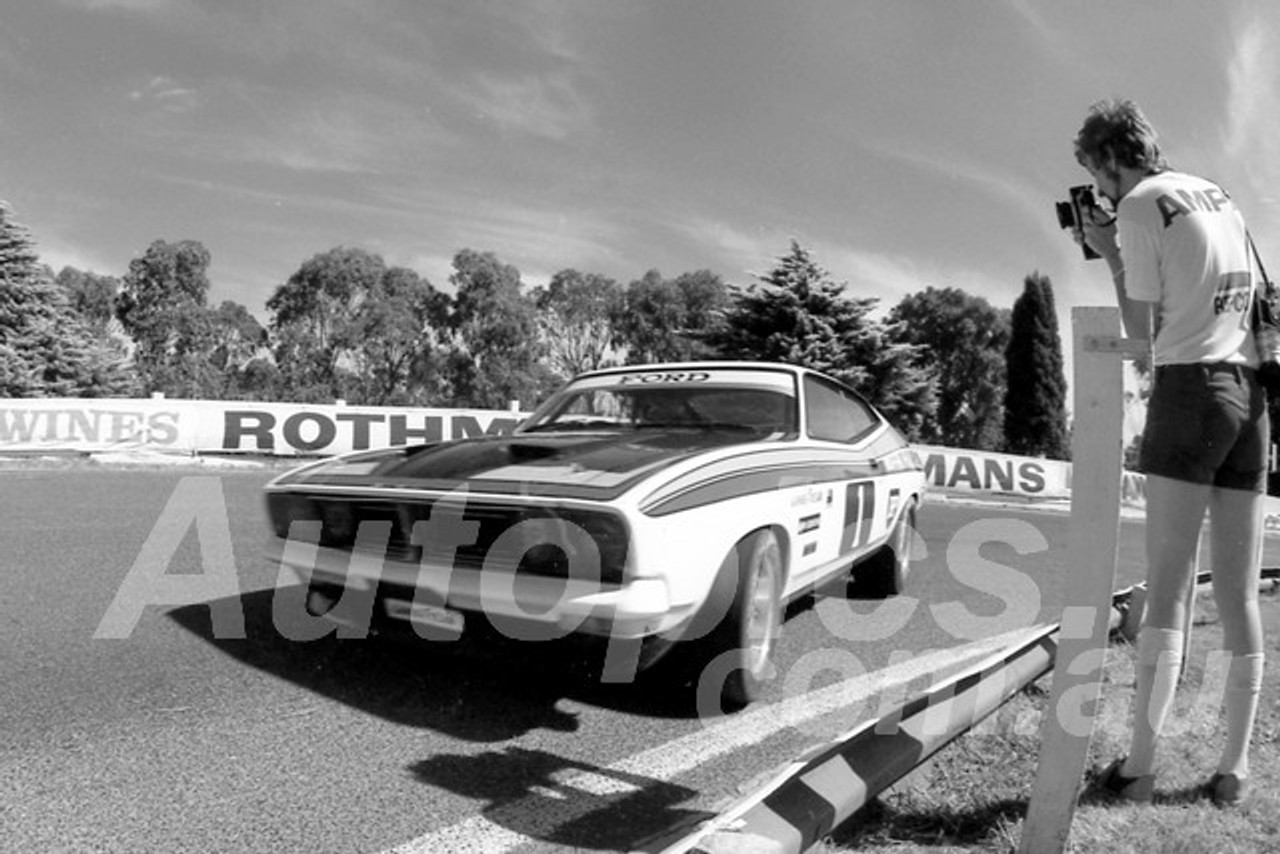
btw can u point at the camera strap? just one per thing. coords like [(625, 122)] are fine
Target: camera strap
[(1257, 259)]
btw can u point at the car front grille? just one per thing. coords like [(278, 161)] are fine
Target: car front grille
[(478, 535)]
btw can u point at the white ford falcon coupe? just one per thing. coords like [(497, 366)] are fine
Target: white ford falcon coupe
[(646, 505)]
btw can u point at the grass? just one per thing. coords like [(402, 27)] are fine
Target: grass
[(972, 796)]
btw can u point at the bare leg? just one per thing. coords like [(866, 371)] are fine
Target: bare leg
[(1236, 544), (1175, 514), (1236, 538)]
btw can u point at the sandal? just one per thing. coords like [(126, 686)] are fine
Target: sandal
[(1139, 790), (1227, 790)]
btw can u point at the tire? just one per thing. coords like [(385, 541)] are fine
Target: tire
[(885, 573), (745, 640)]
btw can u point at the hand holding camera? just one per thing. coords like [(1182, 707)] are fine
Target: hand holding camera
[(1092, 224)]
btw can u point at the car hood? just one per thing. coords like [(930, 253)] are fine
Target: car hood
[(594, 466)]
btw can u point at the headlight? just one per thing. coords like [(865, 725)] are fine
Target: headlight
[(561, 544), (337, 520), (609, 533), (546, 559), (340, 523), (285, 508)]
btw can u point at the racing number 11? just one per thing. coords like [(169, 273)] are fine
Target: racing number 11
[(859, 509)]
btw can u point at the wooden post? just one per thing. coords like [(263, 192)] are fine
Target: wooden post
[(1097, 463)]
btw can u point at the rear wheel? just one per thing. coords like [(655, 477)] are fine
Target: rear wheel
[(746, 638), (885, 572)]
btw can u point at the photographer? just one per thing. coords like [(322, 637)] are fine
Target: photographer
[(1178, 253)]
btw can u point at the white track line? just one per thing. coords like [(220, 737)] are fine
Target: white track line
[(548, 807)]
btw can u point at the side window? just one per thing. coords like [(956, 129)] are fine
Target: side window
[(834, 414)]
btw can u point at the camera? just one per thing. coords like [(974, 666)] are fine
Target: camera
[(1071, 214)]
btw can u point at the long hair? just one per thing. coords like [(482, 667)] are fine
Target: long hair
[(1118, 128)]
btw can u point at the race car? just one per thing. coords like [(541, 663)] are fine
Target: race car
[(650, 506)]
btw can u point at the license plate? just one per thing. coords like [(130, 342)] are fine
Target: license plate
[(424, 614)]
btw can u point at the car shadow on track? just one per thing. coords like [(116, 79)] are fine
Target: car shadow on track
[(482, 687), (573, 805)]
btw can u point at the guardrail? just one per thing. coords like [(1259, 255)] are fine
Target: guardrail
[(810, 797)]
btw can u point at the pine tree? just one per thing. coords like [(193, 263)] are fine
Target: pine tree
[(799, 315), (45, 348), (15, 373), (1035, 419)]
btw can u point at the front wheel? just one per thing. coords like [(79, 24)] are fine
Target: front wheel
[(748, 635)]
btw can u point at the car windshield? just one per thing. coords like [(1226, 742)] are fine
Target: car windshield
[(657, 401)]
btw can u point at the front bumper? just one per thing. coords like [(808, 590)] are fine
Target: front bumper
[(525, 607)]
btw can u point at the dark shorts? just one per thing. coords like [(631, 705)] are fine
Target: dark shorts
[(1207, 424)]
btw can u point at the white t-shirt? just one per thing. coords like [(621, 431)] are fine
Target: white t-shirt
[(1184, 247)]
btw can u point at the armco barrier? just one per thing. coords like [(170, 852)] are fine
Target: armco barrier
[(812, 796), (809, 798)]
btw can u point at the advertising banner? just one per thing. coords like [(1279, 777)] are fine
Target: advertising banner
[(115, 425), (981, 471), (195, 427)]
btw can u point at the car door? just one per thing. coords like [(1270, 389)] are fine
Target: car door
[(841, 426)]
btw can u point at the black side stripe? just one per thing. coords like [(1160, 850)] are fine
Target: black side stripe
[(741, 484)]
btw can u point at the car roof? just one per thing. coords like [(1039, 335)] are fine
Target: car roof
[(699, 366)]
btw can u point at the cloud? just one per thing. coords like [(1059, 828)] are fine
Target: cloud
[(540, 105), (998, 182), (549, 24), (1252, 89), (1048, 36), (540, 241), (296, 131), (890, 277), (166, 94), (1253, 113), (130, 5), (867, 273), (57, 253), (333, 140)]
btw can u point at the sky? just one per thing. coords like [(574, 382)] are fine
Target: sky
[(907, 144)]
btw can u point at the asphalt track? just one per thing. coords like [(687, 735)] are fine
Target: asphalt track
[(134, 721)]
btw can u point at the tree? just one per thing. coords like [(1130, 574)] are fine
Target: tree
[(670, 320), (704, 299), (110, 370), (312, 314), (45, 347), (93, 296), (798, 315), (395, 341), (29, 304), (15, 373), (162, 306), (300, 372), (900, 389), (961, 343), (1035, 420), (323, 294), (499, 357), (575, 314), (237, 336), (237, 339)]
